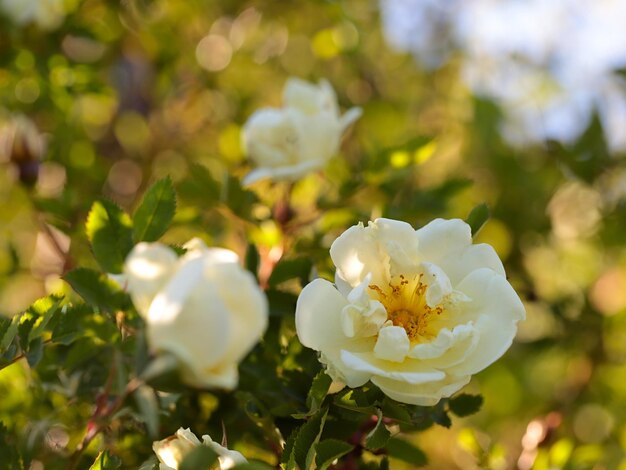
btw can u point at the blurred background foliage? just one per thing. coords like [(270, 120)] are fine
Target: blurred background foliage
[(115, 94)]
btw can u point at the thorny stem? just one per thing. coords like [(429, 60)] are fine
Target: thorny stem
[(102, 414)]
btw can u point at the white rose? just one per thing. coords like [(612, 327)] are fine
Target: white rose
[(47, 14), (414, 312), (301, 137), (172, 451), (203, 308)]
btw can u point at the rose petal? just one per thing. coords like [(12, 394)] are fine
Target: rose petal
[(425, 394), (382, 246), (318, 315), (449, 348), (460, 264), (409, 371), (240, 294), (393, 344), (182, 310), (495, 310), (292, 172), (146, 270), (438, 283), (441, 237)]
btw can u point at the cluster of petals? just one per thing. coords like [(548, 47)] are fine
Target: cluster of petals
[(203, 308), (171, 452), (416, 312), (289, 142)]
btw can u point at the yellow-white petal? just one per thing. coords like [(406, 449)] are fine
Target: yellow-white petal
[(494, 310), (318, 315), (147, 269), (392, 344), (425, 394)]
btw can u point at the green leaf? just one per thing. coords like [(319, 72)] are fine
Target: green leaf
[(148, 408), (288, 458), (109, 230), (44, 308), (378, 436), (8, 451), (252, 259), (329, 450), (477, 218), (156, 211), (105, 461), (96, 288), (465, 404), (69, 327), (394, 410), (301, 449), (405, 451), (318, 391), (442, 418), (290, 269), (10, 333), (200, 458), (34, 352)]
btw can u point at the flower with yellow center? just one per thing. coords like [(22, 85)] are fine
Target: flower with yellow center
[(416, 312)]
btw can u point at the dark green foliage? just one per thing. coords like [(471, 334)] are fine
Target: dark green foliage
[(465, 404), (97, 289), (404, 450), (155, 213)]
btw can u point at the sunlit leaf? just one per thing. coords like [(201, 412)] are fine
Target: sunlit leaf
[(109, 229)]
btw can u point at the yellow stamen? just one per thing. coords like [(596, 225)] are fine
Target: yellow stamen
[(405, 302)]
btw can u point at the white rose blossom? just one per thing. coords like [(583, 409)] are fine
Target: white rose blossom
[(172, 451), (298, 138), (416, 312), (202, 308)]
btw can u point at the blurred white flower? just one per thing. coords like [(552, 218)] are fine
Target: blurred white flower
[(298, 138), (414, 312), (549, 63), (172, 451), (47, 14), (203, 308)]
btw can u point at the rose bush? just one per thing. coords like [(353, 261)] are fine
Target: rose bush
[(172, 451), (301, 137), (417, 312), (203, 308)]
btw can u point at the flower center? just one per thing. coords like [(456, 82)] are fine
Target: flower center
[(405, 301)]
